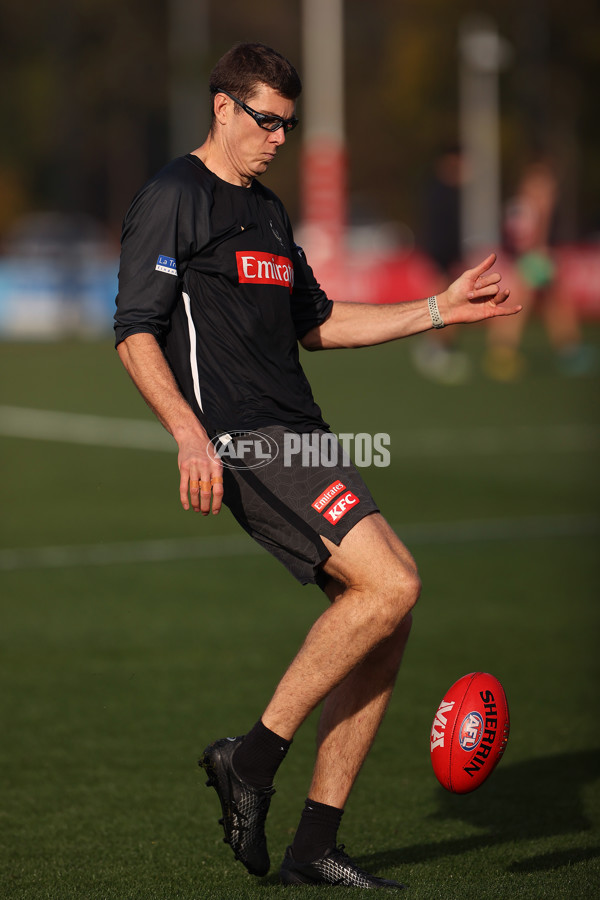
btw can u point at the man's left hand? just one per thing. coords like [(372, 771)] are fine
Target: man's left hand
[(475, 296)]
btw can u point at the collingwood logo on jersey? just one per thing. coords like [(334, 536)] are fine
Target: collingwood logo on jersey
[(166, 264), (275, 232)]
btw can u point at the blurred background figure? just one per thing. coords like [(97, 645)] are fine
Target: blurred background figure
[(437, 355), (534, 278)]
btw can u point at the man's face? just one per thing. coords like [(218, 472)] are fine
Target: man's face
[(249, 147)]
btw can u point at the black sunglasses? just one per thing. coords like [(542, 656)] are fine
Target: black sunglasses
[(270, 123)]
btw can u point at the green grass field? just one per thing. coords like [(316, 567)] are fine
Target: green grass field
[(122, 658)]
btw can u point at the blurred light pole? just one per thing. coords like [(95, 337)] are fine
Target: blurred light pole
[(188, 94), (482, 54), (324, 151)]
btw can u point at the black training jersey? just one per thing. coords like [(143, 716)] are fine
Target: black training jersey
[(212, 271)]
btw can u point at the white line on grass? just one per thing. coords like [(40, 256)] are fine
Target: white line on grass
[(136, 434), (167, 550), (74, 428), (491, 439)]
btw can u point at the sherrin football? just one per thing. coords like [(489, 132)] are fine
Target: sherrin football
[(469, 732)]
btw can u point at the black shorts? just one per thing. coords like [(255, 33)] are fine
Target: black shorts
[(287, 500)]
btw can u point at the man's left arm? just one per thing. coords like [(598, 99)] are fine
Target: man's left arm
[(473, 297)]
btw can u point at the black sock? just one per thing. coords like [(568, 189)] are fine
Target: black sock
[(317, 831), (259, 756)]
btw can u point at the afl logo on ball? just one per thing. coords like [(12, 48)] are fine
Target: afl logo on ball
[(471, 731)]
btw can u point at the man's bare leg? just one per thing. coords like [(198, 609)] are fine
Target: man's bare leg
[(373, 586), (364, 624), (351, 716)]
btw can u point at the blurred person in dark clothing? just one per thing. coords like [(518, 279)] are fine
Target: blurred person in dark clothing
[(436, 355)]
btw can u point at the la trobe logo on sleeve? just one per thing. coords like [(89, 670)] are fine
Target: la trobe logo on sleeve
[(166, 264)]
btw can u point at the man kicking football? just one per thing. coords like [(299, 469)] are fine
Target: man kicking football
[(214, 297)]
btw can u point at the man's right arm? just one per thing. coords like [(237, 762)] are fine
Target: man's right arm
[(150, 372)]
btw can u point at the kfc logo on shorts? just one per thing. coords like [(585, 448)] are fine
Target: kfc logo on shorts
[(339, 509), (327, 496)]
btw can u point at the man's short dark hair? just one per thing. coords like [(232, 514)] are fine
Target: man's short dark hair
[(246, 66)]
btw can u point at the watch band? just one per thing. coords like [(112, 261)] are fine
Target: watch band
[(434, 312)]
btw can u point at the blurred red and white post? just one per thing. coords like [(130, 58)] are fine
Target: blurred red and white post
[(324, 163), (483, 53)]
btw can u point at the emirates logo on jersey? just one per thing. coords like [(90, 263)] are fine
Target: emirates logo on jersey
[(265, 268)]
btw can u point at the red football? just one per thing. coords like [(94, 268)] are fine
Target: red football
[(469, 732)]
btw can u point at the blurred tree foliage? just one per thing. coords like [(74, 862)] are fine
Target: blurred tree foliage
[(85, 105)]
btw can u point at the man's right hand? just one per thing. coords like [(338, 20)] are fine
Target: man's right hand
[(200, 468), (201, 475)]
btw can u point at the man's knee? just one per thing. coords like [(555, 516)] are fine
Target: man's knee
[(372, 561), (397, 591)]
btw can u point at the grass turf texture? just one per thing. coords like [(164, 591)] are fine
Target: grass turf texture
[(113, 678)]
